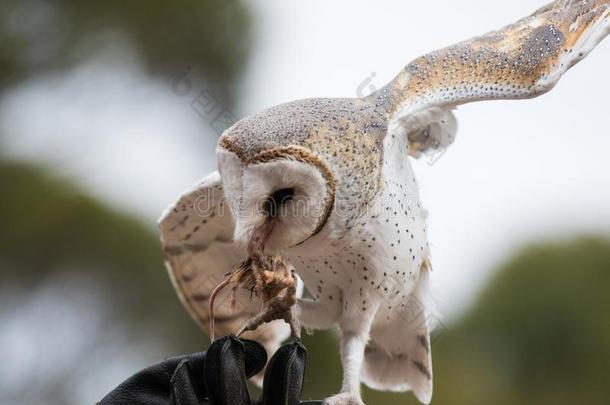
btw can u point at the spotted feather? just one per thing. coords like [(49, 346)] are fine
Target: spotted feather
[(522, 60)]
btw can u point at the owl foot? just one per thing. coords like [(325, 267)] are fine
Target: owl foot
[(280, 307), (270, 278), (344, 398)]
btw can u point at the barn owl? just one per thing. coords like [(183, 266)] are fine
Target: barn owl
[(348, 215)]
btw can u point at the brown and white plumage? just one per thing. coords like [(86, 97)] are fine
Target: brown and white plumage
[(522, 60), (353, 226)]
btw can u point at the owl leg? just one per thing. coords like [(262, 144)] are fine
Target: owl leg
[(352, 357), (355, 334)]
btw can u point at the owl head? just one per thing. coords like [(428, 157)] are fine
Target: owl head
[(291, 165)]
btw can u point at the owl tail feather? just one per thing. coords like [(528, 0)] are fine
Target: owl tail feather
[(406, 366), (398, 373)]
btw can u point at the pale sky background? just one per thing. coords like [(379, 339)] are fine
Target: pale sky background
[(518, 171)]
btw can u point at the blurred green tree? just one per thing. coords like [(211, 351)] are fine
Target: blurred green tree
[(49, 229), (210, 36), (539, 334)]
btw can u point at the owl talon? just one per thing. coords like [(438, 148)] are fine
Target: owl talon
[(279, 307)]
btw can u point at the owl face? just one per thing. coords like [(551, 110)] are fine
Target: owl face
[(287, 186), (296, 164)]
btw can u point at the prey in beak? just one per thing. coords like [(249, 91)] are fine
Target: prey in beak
[(268, 276)]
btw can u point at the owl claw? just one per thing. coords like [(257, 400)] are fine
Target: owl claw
[(279, 307), (345, 398), (273, 280)]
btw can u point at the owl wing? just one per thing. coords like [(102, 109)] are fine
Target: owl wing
[(197, 242), (522, 60)]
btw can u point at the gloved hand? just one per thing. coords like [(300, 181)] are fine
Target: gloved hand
[(218, 377)]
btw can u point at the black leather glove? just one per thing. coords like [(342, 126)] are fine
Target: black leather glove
[(218, 377)]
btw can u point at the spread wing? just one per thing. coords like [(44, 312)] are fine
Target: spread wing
[(522, 60), (197, 241)]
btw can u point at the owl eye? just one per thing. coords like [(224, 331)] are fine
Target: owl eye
[(277, 199)]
